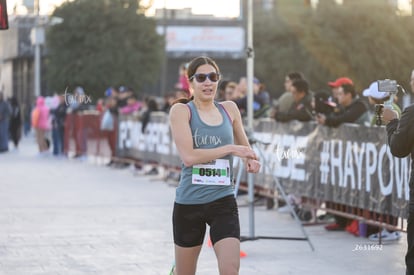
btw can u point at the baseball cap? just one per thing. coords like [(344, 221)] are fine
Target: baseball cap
[(372, 91), (340, 81), (108, 92)]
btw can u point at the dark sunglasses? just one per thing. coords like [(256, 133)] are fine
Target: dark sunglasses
[(214, 77)]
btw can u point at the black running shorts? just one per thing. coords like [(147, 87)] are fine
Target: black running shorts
[(189, 221)]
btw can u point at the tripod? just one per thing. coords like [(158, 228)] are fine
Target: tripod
[(250, 183)]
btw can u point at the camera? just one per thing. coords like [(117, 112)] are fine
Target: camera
[(323, 103), (387, 86)]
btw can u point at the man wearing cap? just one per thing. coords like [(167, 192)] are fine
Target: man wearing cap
[(335, 86), (376, 97), (354, 110)]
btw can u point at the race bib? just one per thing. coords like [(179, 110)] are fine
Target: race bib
[(213, 173)]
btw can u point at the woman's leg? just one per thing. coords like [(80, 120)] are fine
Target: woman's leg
[(186, 259), (228, 256), (189, 230), (38, 139), (225, 234)]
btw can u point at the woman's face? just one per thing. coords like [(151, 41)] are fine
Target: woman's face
[(205, 87)]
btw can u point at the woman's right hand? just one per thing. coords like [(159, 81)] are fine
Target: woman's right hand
[(243, 151)]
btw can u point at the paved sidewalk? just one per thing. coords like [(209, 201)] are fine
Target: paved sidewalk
[(60, 216)]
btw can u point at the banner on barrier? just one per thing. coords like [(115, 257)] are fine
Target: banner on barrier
[(351, 164)]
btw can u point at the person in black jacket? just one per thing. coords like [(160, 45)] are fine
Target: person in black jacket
[(58, 126), (401, 141), (301, 108), (15, 126), (354, 110)]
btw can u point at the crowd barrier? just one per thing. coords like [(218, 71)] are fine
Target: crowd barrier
[(83, 136), (349, 166)]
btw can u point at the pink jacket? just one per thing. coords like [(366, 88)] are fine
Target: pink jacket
[(131, 108), (43, 122)]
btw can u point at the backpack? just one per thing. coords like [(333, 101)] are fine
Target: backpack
[(35, 117)]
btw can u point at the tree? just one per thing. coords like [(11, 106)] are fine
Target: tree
[(364, 40), (103, 43)]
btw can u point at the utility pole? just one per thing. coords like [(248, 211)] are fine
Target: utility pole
[(165, 57), (37, 37), (250, 76)]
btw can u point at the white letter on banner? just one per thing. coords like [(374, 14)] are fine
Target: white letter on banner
[(122, 134), (402, 177), (385, 190), (136, 134), (128, 141), (283, 171), (324, 162), (150, 137), (299, 159), (349, 166), (371, 164), (163, 145), (141, 139), (272, 161), (336, 161), (359, 158)]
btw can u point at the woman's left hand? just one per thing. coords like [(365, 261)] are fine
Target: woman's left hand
[(252, 166)]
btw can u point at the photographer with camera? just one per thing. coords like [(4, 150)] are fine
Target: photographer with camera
[(378, 99), (401, 141)]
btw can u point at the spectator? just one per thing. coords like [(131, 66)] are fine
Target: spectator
[(133, 105), (286, 99), (100, 105), (226, 90), (408, 98), (27, 113), (183, 83), (150, 106), (15, 122), (229, 90), (108, 125), (41, 124), (221, 90), (300, 108), (168, 101), (179, 94), (260, 107), (335, 86), (58, 115), (123, 95), (378, 98), (354, 109), (5, 112)]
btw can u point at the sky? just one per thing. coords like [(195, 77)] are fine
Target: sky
[(226, 8), (220, 8)]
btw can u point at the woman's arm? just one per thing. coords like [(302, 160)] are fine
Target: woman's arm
[(401, 133), (240, 137), (182, 136)]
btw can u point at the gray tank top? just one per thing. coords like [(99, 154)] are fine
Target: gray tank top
[(207, 182)]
